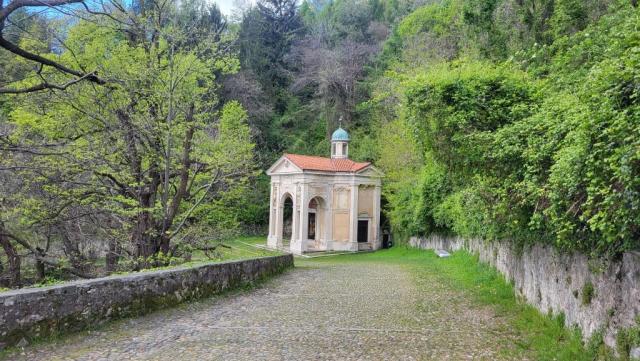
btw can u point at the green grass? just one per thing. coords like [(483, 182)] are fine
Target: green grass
[(539, 336), (240, 248), (236, 249)]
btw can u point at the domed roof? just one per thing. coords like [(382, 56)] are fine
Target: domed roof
[(340, 135)]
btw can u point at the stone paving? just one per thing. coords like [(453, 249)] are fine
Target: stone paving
[(319, 311)]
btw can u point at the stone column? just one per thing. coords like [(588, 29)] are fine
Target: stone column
[(377, 240), (272, 240), (295, 219), (303, 223), (279, 225), (328, 228), (353, 223)]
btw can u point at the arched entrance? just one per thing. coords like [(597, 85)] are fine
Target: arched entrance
[(316, 225), (287, 220)]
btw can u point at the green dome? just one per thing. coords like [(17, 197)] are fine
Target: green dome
[(340, 135)]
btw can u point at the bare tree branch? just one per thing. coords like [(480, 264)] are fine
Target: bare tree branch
[(46, 85), (17, 4), (5, 12)]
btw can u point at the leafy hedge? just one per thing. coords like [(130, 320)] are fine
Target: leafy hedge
[(544, 147)]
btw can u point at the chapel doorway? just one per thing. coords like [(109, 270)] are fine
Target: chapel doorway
[(312, 226), (315, 224), (363, 231), (287, 221)]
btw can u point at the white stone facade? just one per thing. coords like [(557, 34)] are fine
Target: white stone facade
[(324, 204), (339, 204)]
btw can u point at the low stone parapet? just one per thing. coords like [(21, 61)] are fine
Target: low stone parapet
[(40, 312), (592, 295)]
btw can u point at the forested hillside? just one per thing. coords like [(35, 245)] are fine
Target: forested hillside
[(136, 133), (512, 120)]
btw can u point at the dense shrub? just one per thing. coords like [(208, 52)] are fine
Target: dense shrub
[(544, 147)]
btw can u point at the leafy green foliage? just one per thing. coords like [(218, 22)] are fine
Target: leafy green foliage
[(588, 292), (535, 138), (456, 110), (142, 154), (507, 119), (626, 339), (437, 18), (265, 37)]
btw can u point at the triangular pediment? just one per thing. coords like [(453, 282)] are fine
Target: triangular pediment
[(283, 166), (371, 171)]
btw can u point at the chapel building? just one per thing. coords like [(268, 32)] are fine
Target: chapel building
[(324, 204)]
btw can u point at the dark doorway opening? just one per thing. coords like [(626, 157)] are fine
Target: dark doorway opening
[(287, 221), (311, 234), (363, 231)]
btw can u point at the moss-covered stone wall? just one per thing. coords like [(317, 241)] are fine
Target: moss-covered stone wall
[(597, 296), (35, 313)]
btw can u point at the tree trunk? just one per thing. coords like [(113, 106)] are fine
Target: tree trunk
[(41, 272), (3, 283), (142, 236), (143, 224), (181, 191), (13, 259), (71, 249), (113, 256)]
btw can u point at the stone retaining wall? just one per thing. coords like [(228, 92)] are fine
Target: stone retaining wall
[(557, 283), (39, 312)]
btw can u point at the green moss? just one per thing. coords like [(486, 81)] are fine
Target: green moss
[(561, 319), (588, 292), (626, 339), (622, 345), (597, 348)]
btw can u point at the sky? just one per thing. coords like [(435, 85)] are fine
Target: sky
[(227, 6)]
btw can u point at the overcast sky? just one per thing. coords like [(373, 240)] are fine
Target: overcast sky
[(228, 5)]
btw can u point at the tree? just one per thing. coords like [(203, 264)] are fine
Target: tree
[(136, 159), (342, 38), (244, 87), (334, 74), (266, 34), (46, 65)]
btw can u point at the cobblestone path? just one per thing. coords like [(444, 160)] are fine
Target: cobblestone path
[(322, 310)]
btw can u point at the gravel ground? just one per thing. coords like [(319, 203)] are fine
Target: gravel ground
[(319, 311)]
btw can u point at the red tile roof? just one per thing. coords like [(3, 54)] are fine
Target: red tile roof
[(308, 162)]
